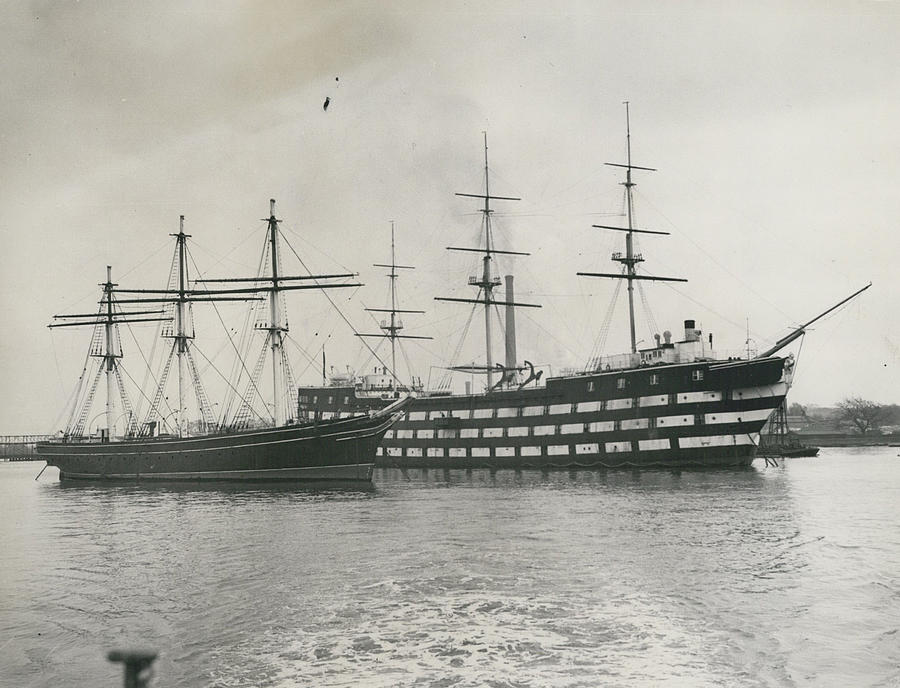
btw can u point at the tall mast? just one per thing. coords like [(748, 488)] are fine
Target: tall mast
[(392, 330), (180, 294), (110, 358), (272, 285), (275, 328), (103, 347), (487, 282), (181, 345), (176, 300), (393, 309), (630, 259)]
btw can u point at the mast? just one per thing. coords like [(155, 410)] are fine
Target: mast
[(275, 328), (392, 330), (272, 285), (176, 300), (109, 358), (487, 282), (178, 296), (630, 259), (181, 338), (103, 347)]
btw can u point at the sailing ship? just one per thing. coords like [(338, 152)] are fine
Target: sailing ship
[(250, 446), (676, 404)]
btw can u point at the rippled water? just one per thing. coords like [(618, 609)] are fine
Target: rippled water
[(785, 576)]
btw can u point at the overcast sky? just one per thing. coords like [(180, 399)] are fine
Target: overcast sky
[(773, 125)]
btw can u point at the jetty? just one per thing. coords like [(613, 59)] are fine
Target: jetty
[(20, 447)]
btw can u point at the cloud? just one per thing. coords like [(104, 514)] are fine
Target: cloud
[(772, 126)]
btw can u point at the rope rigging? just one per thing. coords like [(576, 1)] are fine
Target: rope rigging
[(603, 333), (225, 379), (648, 313), (444, 382), (335, 306), (239, 365)]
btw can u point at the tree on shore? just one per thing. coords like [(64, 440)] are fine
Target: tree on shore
[(796, 409), (865, 416)]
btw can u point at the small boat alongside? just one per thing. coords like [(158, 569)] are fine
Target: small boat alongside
[(780, 442)]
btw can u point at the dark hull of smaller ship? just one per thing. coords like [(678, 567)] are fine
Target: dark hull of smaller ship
[(339, 450), (775, 446), (798, 452)]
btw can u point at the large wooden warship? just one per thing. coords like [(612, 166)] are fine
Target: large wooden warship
[(249, 446), (675, 404)]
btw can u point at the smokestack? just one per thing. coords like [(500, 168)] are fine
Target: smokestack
[(510, 331), (691, 333)]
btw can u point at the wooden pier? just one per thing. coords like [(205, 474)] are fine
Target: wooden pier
[(20, 447)]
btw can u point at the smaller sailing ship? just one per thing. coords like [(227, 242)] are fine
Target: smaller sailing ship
[(246, 448)]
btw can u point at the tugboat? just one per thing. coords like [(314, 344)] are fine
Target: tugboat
[(248, 448), (674, 405)]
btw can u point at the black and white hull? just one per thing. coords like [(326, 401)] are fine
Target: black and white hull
[(690, 415)]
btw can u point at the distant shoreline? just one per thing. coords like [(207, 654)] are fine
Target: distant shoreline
[(840, 439)]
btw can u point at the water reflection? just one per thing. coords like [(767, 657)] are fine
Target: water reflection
[(335, 488), (748, 477)]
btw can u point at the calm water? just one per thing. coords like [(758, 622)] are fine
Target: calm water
[(785, 576)]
